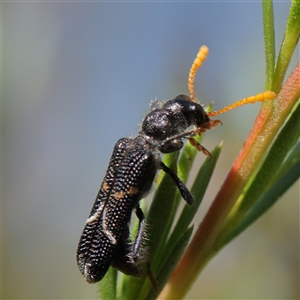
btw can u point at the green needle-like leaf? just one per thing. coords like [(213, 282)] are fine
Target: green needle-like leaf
[(107, 287), (288, 45), (170, 262), (269, 39), (161, 210), (198, 190), (279, 187)]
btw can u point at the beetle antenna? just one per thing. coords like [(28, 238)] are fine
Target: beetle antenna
[(267, 95), (199, 60), (201, 57)]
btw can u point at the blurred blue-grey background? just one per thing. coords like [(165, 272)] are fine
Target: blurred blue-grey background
[(76, 76)]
